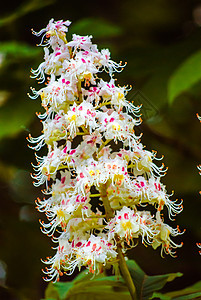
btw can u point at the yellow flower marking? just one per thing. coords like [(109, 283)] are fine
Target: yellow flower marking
[(116, 127), (60, 213), (92, 173), (126, 225), (72, 117)]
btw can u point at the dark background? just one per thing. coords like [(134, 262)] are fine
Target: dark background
[(155, 38)]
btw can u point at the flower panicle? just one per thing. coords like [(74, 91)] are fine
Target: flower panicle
[(97, 177)]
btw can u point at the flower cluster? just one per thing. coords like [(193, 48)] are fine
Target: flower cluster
[(97, 175)]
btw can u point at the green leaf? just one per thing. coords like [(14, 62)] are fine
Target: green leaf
[(184, 297), (160, 296), (147, 285), (188, 293), (83, 276), (84, 287), (58, 290), (99, 28), (185, 76), (99, 279), (107, 287), (98, 293)]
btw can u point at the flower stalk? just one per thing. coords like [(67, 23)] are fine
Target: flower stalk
[(108, 210), (125, 273), (121, 260)]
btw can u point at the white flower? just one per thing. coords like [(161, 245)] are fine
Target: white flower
[(163, 238), (81, 42), (55, 31), (129, 224)]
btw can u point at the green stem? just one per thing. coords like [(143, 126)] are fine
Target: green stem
[(94, 195), (79, 87), (122, 263), (104, 144), (95, 217), (108, 210), (82, 133), (125, 273), (84, 129), (130, 166), (103, 104)]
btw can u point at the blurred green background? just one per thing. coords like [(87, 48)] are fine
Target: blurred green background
[(161, 42)]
